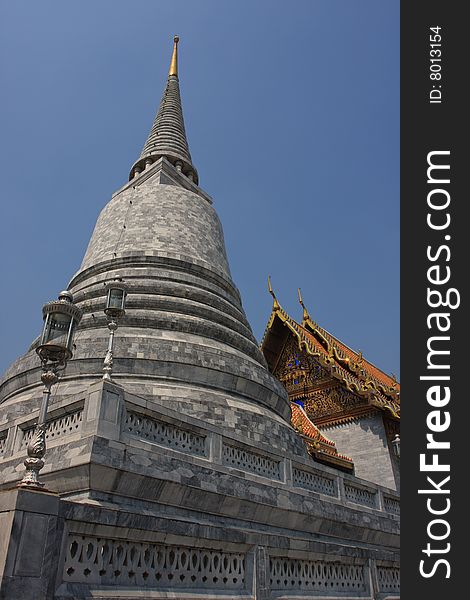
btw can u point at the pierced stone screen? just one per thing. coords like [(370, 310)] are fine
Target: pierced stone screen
[(389, 579), (251, 461), (318, 576), (56, 428), (315, 482), (164, 434), (360, 496), (105, 561)]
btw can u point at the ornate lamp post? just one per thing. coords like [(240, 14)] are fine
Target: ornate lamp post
[(115, 309), (60, 320), (396, 445)]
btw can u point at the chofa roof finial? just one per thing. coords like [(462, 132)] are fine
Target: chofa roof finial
[(271, 291), (305, 315)]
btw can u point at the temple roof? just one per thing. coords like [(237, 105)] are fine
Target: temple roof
[(318, 445), (168, 136), (346, 355), (342, 363)]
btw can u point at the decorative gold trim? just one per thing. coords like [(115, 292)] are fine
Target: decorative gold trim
[(367, 388), (361, 412), (356, 366)]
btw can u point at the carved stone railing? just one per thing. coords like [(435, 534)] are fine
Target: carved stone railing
[(56, 428), (360, 495), (392, 505), (253, 462), (315, 482), (112, 413), (164, 434), (317, 576), (117, 562), (153, 553), (388, 579)]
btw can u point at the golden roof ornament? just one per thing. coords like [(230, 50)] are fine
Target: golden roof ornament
[(271, 291), (174, 59), (305, 315)]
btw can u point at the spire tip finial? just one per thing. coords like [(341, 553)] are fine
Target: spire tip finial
[(174, 58)]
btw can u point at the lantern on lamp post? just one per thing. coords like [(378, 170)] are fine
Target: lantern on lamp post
[(61, 318), (396, 445), (114, 310)]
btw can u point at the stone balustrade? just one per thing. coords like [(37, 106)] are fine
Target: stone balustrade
[(134, 420)]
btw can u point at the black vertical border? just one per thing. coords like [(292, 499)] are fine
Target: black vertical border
[(428, 127)]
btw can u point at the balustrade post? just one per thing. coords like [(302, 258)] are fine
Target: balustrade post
[(380, 500), (261, 577), (287, 474), (341, 494), (104, 410), (216, 442)]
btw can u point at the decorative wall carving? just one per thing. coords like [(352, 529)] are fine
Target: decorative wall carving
[(303, 376), (330, 401), (297, 370)]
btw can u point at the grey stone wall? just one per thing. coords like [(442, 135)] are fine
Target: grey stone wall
[(62, 549), (365, 441), (161, 220)]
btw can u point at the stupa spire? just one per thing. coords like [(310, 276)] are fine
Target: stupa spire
[(168, 136)]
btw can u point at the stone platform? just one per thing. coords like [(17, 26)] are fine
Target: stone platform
[(152, 503)]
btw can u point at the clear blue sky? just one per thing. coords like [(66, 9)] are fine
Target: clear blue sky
[(292, 116)]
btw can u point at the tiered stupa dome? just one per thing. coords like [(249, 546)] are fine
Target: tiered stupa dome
[(185, 340)]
